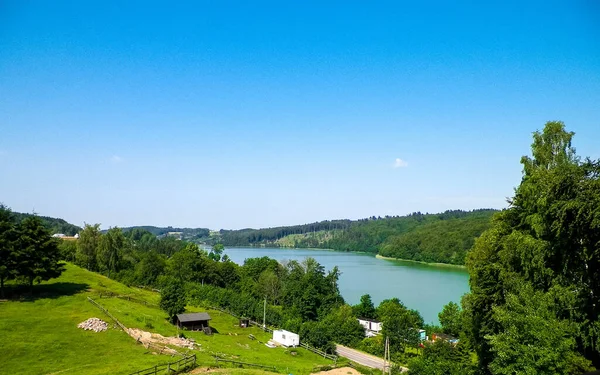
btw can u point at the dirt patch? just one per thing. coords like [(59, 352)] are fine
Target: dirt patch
[(158, 339), (339, 371)]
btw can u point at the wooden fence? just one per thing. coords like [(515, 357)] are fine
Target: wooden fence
[(242, 364), (161, 349), (319, 352), (169, 368), (109, 314)]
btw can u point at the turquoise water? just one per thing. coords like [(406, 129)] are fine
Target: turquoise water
[(422, 287)]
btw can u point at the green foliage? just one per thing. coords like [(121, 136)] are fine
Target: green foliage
[(545, 247), (110, 249), (442, 358), (442, 241), (173, 298), (532, 340), (54, 225), (444, 237), (365, 309), (451, 319), (87, 247), (9, 250), (399, 324), (38, 257)]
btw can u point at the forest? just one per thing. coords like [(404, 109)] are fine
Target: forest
[(440, 238)]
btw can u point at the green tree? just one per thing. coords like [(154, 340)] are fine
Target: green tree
[(365, 309), (399, 324), (110, 248), (442, 358), (532, 339), (216, 251), (87, 246), (9, 251), (39, 258), (450, 319), (186, 264), (173, 298), (548, 238), (149, 268)]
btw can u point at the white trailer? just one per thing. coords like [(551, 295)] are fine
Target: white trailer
[(286, 338)]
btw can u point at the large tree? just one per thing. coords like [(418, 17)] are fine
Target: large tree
[(87, 246), (39, 257), (9, 250), (548, 240), (172, 298), (365, 309), (110, 249)]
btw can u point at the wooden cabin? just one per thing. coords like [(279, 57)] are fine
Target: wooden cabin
[(193, 321)]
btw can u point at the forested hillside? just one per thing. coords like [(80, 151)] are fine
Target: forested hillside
[(54, 224), (444, 237), (186, 233)]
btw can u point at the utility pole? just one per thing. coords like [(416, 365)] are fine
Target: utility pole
[(386, 358)]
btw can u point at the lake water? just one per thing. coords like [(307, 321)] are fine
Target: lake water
[(422, 287)]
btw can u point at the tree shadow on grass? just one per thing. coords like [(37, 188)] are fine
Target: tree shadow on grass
[(24, 293)]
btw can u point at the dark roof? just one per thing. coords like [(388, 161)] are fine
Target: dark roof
[(194, 317)]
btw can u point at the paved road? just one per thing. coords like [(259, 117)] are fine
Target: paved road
[(362, 358)]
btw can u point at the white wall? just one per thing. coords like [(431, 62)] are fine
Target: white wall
[(286, 338)]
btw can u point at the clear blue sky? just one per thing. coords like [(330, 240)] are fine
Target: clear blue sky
[(228, 115)]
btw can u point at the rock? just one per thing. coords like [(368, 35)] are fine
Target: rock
[(93, 324)]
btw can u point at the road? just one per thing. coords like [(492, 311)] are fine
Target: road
[(362, 358)]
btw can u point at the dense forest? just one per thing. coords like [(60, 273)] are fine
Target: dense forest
[(444, 237), (55, 225)]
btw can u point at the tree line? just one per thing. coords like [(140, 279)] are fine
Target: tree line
[(443, 238)]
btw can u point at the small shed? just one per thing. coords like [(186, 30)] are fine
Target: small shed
[(244, 322), (286, 338), (193, 321)]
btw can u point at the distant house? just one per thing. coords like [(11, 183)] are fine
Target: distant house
[(286, 338), (370, 326), (422, 335), (58, 235), (193, 321)]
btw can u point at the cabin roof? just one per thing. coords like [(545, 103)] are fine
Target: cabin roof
[(193, 317)]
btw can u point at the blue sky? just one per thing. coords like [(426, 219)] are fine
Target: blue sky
[(254, 114)]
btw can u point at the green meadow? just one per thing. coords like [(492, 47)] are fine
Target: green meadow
[(39, 333)]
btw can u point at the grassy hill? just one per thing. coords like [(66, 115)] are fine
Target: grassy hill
[(40, 334)]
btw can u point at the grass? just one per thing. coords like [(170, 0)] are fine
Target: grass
[(39, 334)]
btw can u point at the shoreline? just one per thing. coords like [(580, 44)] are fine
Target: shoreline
[(441, 265), (448, 265)]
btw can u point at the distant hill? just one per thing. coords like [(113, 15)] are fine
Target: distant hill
[(189, 234), (54, 224), (444, 237)]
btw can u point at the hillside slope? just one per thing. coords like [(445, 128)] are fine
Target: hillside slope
[(56, 225), (40, 334), (444, 237)]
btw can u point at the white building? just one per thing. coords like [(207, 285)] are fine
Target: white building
[(286, 338), (370, 325)]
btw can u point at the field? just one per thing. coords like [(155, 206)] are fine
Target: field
[(40, 335)]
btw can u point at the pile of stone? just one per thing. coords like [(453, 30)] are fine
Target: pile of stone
[(93, 324)]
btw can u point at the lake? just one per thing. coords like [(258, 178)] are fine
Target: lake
[(425, 288)]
